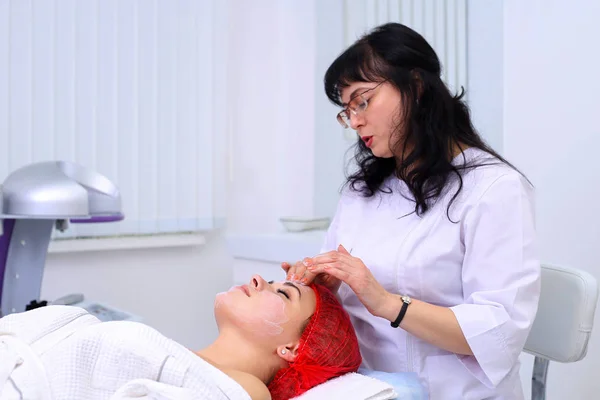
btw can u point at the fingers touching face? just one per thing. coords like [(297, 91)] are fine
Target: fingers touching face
[(299, 272)]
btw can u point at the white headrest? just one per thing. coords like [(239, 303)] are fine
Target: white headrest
[(565, 317)]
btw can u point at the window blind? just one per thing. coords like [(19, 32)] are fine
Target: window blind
[(134, 89)]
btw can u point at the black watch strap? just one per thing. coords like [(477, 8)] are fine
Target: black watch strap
[(400, 316)]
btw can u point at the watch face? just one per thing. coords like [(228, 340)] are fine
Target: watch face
[(406, 299)]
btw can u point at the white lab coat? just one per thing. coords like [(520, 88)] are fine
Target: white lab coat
[(484, 267)]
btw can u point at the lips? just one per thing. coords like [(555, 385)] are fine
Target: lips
[(244, 288), (368, 140)]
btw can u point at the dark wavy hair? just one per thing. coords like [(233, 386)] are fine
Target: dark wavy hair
[(432, 122)]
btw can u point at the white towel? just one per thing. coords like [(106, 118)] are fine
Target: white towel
[(75, 356), (351, 386), (151, 390)]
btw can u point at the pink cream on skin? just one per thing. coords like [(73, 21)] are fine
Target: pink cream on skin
[(263, 314)]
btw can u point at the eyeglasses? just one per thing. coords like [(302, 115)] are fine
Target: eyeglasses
[(357, 105)]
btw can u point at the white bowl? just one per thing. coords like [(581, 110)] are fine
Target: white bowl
[(299, 224)]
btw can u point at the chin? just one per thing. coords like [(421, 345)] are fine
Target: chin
[(222, 305), (382, 154), (223, 316), (218, 318)]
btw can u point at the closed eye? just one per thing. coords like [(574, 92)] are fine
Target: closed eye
[(283, 292)]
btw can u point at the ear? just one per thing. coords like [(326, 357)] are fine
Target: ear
[(288, 352)]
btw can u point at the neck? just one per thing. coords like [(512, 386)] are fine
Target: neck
[(231, 351), (454, 151)]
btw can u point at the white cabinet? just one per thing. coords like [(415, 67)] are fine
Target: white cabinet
[(263, 253)]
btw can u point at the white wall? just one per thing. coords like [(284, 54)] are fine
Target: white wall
[(332, 147), (551, 130), (485, 69), (272, 149), (172, 289)]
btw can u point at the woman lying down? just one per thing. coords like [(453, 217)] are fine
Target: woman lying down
[(276, 340)]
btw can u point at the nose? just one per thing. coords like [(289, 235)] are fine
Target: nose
[(356, 121), (257, 283)]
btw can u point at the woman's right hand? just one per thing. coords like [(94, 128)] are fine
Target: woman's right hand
[(299, 273)]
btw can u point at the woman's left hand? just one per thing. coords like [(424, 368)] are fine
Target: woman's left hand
[(351, 270)]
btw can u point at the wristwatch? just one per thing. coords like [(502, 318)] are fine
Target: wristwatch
[(405, 303)]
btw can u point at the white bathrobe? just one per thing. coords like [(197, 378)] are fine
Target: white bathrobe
[(63, 352)]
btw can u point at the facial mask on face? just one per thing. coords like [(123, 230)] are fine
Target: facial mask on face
[(264, 314)]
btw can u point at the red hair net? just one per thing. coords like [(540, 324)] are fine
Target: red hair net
[(328, 348)]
